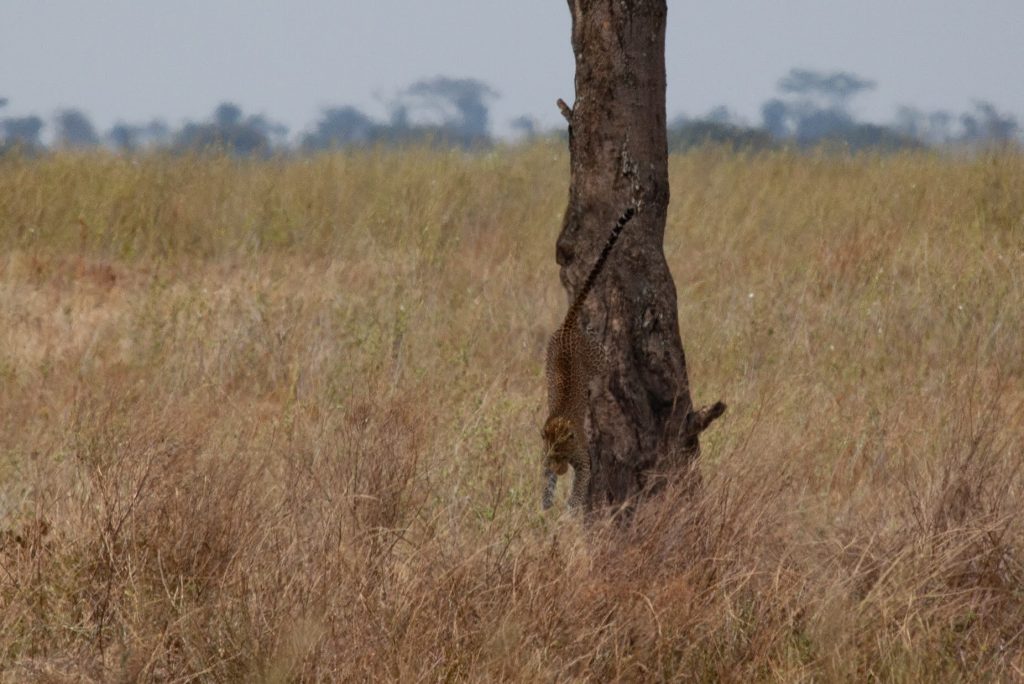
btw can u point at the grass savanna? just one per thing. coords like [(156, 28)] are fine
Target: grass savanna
[(280, 420)]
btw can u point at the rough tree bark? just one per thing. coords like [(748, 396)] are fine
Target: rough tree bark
[(642, 422)]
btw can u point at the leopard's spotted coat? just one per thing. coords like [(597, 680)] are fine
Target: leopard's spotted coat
[(573, 358)]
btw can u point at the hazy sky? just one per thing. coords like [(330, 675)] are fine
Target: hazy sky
[(139, 59)]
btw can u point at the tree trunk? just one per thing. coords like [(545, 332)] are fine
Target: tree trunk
[(641, 421)]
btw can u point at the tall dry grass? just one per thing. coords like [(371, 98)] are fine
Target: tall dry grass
[(279, 421)]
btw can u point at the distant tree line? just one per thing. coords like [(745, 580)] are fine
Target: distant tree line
[(812, 109), (444, 111)]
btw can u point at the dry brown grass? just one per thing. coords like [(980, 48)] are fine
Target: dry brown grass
[(279, 421)]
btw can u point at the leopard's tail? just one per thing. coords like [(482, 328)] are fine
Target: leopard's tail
[(588, 284)]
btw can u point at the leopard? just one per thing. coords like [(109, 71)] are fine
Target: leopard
[(573, 359)]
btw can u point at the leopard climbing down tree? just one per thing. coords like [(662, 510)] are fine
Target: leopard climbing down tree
[(573, 358)]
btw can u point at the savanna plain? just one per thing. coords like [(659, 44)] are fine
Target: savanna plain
[(279, 420)]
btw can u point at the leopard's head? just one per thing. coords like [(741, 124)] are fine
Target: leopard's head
[(560, 442)]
